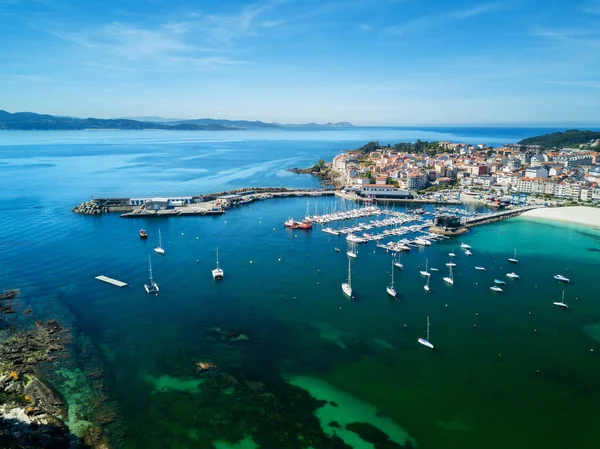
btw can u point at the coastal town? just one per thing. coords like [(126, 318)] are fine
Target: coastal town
[(445, 169)]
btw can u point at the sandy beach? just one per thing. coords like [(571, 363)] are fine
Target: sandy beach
[(589, 216)]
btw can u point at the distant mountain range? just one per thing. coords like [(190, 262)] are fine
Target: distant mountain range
[(245, 124), (33, 121)]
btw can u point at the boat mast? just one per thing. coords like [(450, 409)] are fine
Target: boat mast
[(150, 264), (159, 239), (349, 274), (217, 257), (392, 272), (428, 328)]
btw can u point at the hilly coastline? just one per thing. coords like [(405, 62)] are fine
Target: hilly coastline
[(33, 121)]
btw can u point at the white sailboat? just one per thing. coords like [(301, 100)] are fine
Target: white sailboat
[(496, 289), (465, 246), (561, 303), (426, 286), (426, 273), (425, 341), (347, 286), (159, 249), (450, 278), (398, 264), (352, 251), (390, 288), (151, 286), (561, 278), (513, 259), (513, 275), (217, 273)]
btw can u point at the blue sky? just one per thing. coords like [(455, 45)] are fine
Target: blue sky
[(400, 62)]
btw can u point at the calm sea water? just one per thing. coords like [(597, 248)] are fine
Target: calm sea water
[(480, 388)]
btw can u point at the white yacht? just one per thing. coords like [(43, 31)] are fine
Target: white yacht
[(464, 246), (347, 286), (159, 249), (480, 268), (499, 281), (151, 286), (390, 288), (496, 289), (452, 254), (561, 303), (468, 253), (561, 278), (423, 242), (513, 259), (425, 341), (217, 273), (426, 273), (513, 275), (433, 269), (450, 278)]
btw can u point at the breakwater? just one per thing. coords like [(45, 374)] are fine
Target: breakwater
[(203, 204), (497, 216)]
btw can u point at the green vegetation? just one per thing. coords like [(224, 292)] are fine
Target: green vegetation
[(417, 147), (569, 138)]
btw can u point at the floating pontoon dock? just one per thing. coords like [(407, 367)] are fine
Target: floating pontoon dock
[(111, 281)]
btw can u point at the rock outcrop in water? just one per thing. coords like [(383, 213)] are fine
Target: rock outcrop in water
[(88, 208)]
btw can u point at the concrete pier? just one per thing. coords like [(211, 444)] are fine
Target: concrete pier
[(111, 281)]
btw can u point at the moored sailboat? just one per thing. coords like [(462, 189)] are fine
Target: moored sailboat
[(151, 286), (347, 286), (217, 273), (159, 249), (425, 341)]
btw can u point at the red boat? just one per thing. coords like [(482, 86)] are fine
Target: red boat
[(293, 224), (143, 234)]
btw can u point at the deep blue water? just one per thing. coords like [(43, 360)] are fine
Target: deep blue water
[(282, 290)]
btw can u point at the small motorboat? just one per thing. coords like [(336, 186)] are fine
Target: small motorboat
[(434, 269), (496, 289), (468, 253), (337, 250), (561, 278), (499, 281), (512, 275), (480, 268), (143, 234)]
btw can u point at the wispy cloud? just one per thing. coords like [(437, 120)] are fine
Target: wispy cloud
[(577, 38), (583, 84), (174, 42), (365, 27), (446, 17)]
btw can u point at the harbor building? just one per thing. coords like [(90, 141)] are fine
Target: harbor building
[(383, 191)]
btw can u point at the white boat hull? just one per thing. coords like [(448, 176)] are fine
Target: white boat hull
[(561, 278), (347, 289), (159, 250), (425, 343), (561, 304), (496, 289), (513, 260), (426, 288), (449, 281), (425, 273), (351, 254), (217, 273), (391, 291), (398, 265), (151, 288)]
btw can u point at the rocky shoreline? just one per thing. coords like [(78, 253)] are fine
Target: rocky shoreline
[(327, 175), (32, 413)]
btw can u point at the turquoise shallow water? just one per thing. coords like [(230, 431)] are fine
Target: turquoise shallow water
[(478, 389)]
